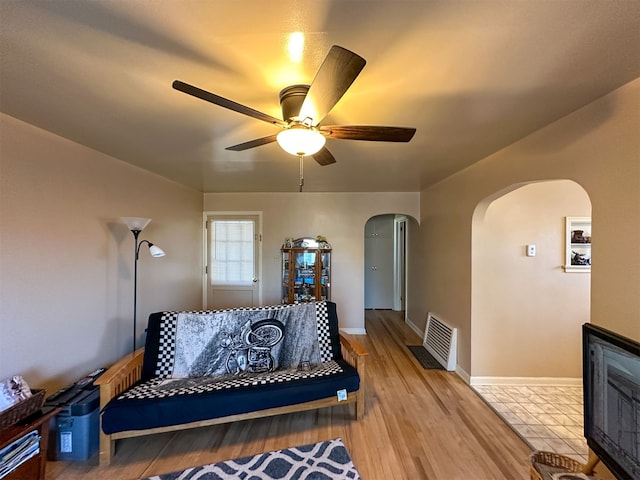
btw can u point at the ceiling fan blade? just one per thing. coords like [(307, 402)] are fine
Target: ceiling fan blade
[(371, 133), (324, 157), (223, 102), (336, 74), (253, 143)]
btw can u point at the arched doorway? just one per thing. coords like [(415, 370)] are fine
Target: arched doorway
[(387, 240), (527, 311)]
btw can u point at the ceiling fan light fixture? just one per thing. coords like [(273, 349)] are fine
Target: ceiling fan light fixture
[(300, 141), (304, 107)]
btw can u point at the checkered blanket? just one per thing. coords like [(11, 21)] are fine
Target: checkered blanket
[(162, 388)]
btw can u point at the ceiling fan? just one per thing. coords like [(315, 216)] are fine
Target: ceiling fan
[(304, 107)]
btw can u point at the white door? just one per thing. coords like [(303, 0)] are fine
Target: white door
[(379, 262), (233, 261), (399, 300)]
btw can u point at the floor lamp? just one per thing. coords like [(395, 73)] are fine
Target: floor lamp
[(136, 225)]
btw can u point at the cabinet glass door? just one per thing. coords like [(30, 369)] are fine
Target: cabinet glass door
[(304, 287), (285, 276), (325, 279)]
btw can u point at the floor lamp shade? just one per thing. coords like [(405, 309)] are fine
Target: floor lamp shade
[(136, 223), (156, 251)]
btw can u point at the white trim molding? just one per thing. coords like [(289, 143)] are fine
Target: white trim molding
[(414, 327), (463, 375), (566, 381), (354, 331)]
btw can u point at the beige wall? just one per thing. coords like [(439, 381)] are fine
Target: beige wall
[(599, 148), (340, 217), (66, 261), (515, 296)]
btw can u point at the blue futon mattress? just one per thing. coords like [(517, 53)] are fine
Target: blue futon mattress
[(161, 402)]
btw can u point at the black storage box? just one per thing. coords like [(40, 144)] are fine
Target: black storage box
[(74, 431)]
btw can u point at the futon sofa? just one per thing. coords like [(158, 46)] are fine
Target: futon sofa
[(205, 368)]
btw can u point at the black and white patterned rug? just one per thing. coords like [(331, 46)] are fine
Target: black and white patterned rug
[(319, 461)]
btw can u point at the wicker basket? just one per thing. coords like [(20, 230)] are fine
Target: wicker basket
[(23, 409), (545, 464)]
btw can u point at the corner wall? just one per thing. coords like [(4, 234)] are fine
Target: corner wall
[(597, 147), (340, 217), (66, 260)]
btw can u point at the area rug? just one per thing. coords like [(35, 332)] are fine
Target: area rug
[(319, 461), (427, 360)]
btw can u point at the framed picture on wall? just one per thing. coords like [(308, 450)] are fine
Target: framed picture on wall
[(577, 244)]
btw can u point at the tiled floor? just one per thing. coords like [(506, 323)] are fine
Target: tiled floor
[(547, 417)]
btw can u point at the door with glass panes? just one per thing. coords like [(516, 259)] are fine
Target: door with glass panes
[(233, 261)]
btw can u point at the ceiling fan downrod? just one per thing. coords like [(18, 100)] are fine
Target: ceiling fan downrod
[(301, 172)]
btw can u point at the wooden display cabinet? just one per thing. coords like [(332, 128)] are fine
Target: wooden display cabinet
[(306, 270)]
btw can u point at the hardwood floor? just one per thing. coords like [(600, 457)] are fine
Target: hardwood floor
[(419, 424)]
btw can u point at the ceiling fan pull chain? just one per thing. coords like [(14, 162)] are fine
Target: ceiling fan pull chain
[(301, 171)]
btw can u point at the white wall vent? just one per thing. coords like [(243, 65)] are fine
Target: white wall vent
[(441, 341)]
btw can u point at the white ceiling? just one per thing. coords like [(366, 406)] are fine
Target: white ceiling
[(472, 77)]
